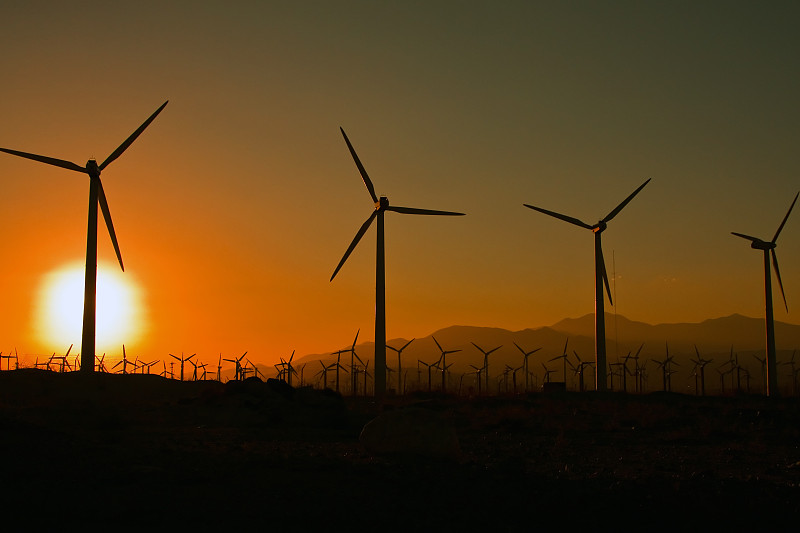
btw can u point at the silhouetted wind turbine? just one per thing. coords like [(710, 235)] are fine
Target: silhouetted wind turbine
[(324, 375), (96, 195), (601, 278), (353, 374), (237, 361), (181, 359), (769, 248), (381, 206), (486, 362), (428, 365), (700, 366), (442, 363), (565, 357), (124, 362), (525, 356), (399, 364)]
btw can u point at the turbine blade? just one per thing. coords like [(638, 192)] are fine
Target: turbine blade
[(565, 218), (124, 146), (605, 275), (417, 211), (361, 168), (437, 343), (44, 159), (743, 236), (775, 238), (778, 275), (353, 244), (617, 209), (109, 224)]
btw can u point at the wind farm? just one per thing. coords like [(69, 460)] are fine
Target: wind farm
[(230, 374)]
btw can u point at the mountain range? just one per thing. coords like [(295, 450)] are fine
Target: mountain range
[(716, 339)]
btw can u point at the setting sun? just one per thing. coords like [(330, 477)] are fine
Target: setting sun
[(60, 309)]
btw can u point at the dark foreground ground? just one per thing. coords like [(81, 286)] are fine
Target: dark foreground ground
[(127, 452)]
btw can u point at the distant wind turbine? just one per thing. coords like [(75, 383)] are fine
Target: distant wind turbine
[(381, 206), (601, 278), (486, 362), (769, 248), (525, 356), (96, 195), (442, 363), (400, 364)]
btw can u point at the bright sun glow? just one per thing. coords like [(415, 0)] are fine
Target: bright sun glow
[(60, 309)]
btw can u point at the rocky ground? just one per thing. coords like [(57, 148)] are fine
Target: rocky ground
[(134, 451)]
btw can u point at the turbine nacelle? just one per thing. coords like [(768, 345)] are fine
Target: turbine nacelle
[(92, 168), (599, 227), (762, 245), (382, 203)]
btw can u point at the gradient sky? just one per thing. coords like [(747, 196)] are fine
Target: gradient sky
[(235, 205)]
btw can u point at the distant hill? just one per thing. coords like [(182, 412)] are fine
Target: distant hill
[(741, 332), (714, 339)]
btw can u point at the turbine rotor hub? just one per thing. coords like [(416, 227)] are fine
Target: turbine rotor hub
[(92, 168), (382, 203), (599, 227)]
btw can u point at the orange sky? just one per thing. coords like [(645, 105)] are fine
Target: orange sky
[(234, 207)]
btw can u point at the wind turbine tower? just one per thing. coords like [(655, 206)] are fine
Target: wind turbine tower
[(381, 206), (768, 247), (601, 278)]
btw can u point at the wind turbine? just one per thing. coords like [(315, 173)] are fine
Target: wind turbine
[(442, 363), (288, 369), (381, 206), (428, 365), (486, 362), (565, 357), (324, 374), (183, 360), (700, 366), (525, 356), (477, 377), (399, 364), (600, 279), (237, 361), (580, 368), (769, 249), (353, 356), (96, 196), (124, 361)]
